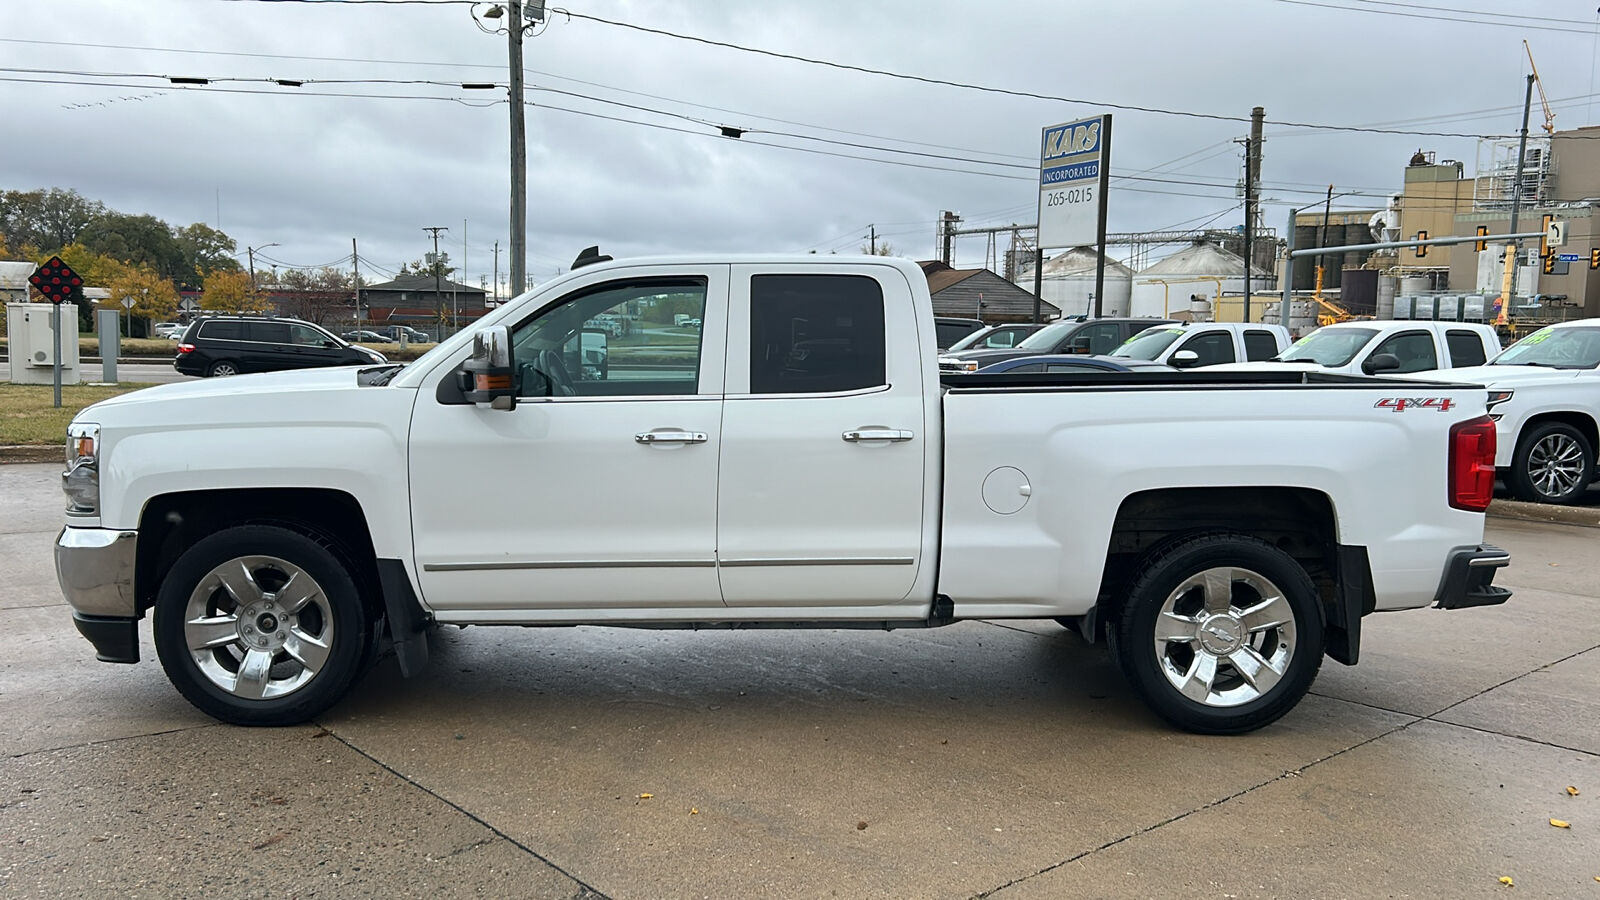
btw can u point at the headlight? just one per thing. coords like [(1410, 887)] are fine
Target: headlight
[(81, 481), (376, 356)]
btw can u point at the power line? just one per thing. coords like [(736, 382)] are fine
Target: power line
[(1444, 18), (227, 90)]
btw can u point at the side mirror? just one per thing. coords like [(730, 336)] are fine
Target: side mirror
[(487, 374), (1184, 359), (1380, 362), (330, 344), (1078, 345)]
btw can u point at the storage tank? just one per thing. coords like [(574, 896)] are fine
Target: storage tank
[(1359, 294), (1305, 268), (1387, 285), (1068, 282), (1415, 284), (1356, 234)]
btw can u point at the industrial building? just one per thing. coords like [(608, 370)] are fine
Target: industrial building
[(1069, 278)]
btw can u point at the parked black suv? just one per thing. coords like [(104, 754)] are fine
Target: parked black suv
[(1077, 335), (231, 345)]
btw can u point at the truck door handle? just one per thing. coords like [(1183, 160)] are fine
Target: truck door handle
[(670, 436), (878, 434)]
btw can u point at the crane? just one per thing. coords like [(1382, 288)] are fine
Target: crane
[(1544, 100)]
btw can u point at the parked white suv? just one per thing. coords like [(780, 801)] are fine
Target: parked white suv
[(1191, 345), (1544, 395), (1355, 348)]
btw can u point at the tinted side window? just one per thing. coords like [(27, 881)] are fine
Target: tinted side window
[(1259, 345), (946, 332), (1213, 347), (222, 331), (267, 332), (306, 336), (1466, 348), (1414, 349), (815, 333), (1103, 338)]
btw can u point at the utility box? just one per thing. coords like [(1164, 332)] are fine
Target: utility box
[(30, 344)]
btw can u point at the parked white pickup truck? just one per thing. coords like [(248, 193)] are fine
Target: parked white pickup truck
[(1193, 345), (794, 462), (1544, 395), (1379, 346)]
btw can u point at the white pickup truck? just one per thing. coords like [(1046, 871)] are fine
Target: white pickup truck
[(1192, 345), (1377, 346), (795, 462), (1544, 396)]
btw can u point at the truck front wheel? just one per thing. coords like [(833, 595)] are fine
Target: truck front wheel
[(260, 625), (1221, 633), (1553, 464)]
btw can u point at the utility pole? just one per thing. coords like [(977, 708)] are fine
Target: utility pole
[(872, 236), (438, 288), (1252, 199), (1322, 240), (250, 253), (355, 262), (519, 150), (1509, 283), (496, 281), (948, 222)]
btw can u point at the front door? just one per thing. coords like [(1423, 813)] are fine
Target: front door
[(598, 491), (825, 442)]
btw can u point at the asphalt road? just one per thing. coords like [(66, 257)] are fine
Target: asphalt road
[(1001, 759)]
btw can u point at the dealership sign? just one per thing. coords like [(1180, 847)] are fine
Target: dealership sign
[(1074, 163)]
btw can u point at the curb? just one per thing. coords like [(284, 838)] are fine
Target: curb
[(32, 453), (1585, 516)]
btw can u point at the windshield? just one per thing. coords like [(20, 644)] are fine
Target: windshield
[(967, 342), (1148, 344), (1559, 348), (1329, 346), (1047, 337)]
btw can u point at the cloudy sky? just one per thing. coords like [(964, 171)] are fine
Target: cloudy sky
[(307, 171)]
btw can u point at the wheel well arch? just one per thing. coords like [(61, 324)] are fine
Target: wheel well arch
[(1299, 521), (171, 523), (1584, 423)]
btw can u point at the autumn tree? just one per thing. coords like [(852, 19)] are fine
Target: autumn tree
[(229, 291), (138, 240), (205, 250), (323, 295), (154, 297)]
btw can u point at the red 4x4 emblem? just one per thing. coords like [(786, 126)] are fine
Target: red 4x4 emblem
[(1401, 404)]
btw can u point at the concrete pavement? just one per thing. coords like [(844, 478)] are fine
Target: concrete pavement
[(985, 759)]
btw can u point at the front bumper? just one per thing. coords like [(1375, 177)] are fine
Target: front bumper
[(95, 567), (1468, 578)]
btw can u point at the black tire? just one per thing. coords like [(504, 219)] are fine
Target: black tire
[(332, 629), (1554, 463), (222, 368), (1233, 704)]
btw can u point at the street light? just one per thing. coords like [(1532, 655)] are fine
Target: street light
[(250, 252)]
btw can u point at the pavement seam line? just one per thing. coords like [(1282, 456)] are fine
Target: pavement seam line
[(1292, 773), (1554, 662), (460, 850), (591, 889), (129, 737), (1479, 729)]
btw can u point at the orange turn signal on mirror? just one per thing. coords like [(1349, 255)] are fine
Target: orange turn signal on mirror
[(492, 382)]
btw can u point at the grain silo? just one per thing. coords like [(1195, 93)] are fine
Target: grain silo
[(1202, 268), (1068, 283)]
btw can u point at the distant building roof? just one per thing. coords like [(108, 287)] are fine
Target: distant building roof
[(980, 293), (940, 275), (1077, 261), (423, 283), (1202, 258)]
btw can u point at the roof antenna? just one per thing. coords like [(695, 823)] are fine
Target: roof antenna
[(589, 257)]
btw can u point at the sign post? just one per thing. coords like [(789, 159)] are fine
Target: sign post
[(1074, 174), (58, 283)]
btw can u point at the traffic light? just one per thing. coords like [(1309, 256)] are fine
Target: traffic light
[(1550, 264), (1544, 239), (1594, 258), (1482, 245), (1422, 250)]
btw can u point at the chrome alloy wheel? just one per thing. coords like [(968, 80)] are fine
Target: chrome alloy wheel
[(1555, 465), (258, 627), (1225, 636)]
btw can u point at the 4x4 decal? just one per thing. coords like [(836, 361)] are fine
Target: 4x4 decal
[(1401, 404)]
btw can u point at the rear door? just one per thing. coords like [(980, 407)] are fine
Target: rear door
[(1465, 348), (824, 439), (1259, 344)]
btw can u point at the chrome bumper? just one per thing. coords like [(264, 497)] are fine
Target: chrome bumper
[(95, 569)]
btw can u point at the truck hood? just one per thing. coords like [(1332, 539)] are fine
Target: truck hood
[(1499, 376), (239, 386)]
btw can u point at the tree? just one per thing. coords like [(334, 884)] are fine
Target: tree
[(154, 297), (321, 295), (47, 219), (229, 291), (139, 240), (884, 249), (96, 269), (206, 250)]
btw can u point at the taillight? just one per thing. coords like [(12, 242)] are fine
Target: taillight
[(185, 348), (1472, 464)]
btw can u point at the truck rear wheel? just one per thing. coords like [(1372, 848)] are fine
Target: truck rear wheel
[(1220, 634), (260, 625)]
